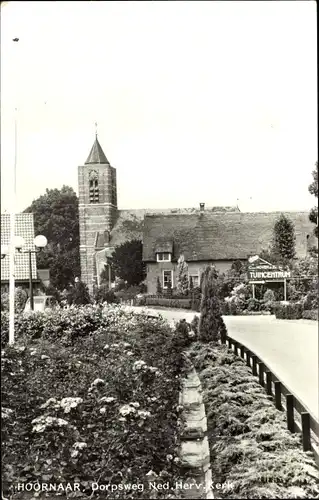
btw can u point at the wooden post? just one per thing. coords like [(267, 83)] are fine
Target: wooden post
[(290, 412), (242, 351), (248, 357), (254, 365), (235, 348), (268, 383), (261, 374), (253, 290), (278, 395), (305, 423), (285, 289)]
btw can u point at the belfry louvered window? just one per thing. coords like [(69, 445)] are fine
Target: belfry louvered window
[(94, 191)]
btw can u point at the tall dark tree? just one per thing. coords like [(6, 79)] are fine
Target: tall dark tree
[(210, 321), (313, 189), (56, 216), (284, 240), (127, 262)]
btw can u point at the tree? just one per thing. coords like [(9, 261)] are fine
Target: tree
[(56, 216), (283, 244), (313, 189), (182, 278), (210, 323), (79, 294), (127, 262)]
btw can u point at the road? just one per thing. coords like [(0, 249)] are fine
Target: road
[(288, 347)]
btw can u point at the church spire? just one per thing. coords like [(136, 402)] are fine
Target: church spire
[(96, 154)]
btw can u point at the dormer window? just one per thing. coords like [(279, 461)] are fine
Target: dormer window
[(164, 257)]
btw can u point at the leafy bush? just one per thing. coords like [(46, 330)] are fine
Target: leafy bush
[(311, 300), (269, 296), (288, 311), (313, 315), (250, 445), (107, 403), (20, 299), (195, 324), (79, 294), (104, 294), (169, 302), (253, 305)]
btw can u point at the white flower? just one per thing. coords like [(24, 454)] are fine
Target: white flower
[(44, 356), (6, 412), (80, 445), (126, 410), (98, 381), (102, 410), (68, 403), (136, 405), (153, 369), (122, 419), (42, 422), (138, 365), (143, 414), (74, 453), (106, 346), (169, 457), (126, 344), (107, 399), (130, 353), (51, 401)]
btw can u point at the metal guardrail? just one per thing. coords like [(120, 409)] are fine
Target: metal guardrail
[(306, 424)]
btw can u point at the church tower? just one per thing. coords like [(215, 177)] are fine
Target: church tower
[(97, 206)]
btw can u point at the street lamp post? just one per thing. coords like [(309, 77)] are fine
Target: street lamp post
[(39, 242)]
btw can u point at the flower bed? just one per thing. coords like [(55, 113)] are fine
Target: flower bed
[(92, 401), (252, 451)]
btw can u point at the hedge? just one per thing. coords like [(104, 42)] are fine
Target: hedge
[(251, 449), (288, 311), (169, 302), (104, 408), (313, 315)]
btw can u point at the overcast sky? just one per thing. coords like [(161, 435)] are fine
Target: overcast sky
[(195, 101)]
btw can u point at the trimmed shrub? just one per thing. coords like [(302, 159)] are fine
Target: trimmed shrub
[(313, 315), (250, 447), (210, 317), (288, 311), (168, 302)]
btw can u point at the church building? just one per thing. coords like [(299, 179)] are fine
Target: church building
[(204, 235)]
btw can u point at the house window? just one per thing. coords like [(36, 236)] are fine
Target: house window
[(94, 191), (167, 277), (163, 257), (195, 279)]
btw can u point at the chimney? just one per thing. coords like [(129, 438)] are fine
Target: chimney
[(202, 207)]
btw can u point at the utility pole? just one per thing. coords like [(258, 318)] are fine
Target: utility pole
[(12, 228)]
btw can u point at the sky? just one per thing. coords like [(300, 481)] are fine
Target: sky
[(212, 102)]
